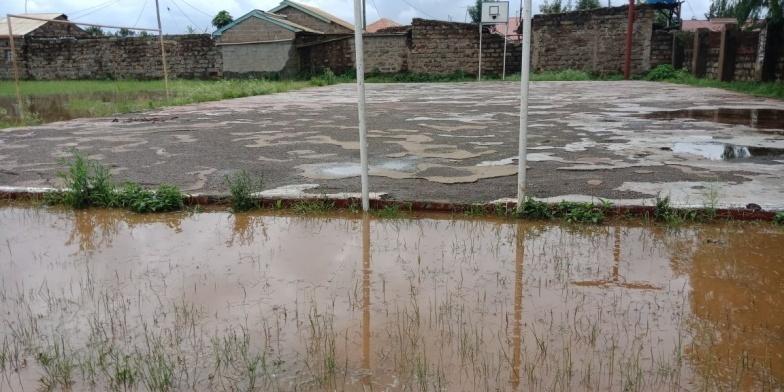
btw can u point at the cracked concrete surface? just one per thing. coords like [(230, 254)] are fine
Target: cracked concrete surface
[(441, 142)]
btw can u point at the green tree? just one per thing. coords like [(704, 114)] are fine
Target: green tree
[(222, 19), (475, 12), (94, 31), (754, 9), (721, 9), (123, 32), (583, 5), (555, 7)]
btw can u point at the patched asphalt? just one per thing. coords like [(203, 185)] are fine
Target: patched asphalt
[(437, 142)]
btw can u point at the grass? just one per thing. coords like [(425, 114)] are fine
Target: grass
[(779, 218), (666, 73), (391, 212), (242, 187), (101, 98), (313, 206), (664, 212), (89, 184)]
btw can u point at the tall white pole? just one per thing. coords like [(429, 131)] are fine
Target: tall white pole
[(524, 76), (506, 33), (479, 73), (359, 51), (163, 50)]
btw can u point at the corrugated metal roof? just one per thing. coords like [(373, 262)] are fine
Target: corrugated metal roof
[(313, 11), (23, 27)]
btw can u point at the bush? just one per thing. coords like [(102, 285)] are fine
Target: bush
[(779, 218), (242, 187), (87, 183), (581, 212), (534, 209), (137, 199), (662, 72)]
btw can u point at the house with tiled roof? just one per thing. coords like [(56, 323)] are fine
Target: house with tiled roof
[(381, 24), (262, 43)]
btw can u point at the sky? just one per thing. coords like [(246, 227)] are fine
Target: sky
[(178, 15)]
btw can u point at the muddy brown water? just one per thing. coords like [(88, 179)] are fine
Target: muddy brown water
[(766, 119), (102, 299), (56, 107)]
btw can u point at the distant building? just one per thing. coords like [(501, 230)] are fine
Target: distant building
[(509, 29), (36, 28), (381, 24), (261, 43), (715, 24)]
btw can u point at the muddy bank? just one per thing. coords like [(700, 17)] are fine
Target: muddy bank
[(214, 301)]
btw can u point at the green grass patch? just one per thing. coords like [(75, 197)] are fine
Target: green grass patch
[(391, 212), (664, 212), (581, 212), (242, 187), (779, 218), (533, 209), (667, 73), (313, 206), (89, 184)]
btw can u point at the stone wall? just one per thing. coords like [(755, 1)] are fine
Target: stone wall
[(260, 59), (746, 51), (294, 15), (254, 30), (384, 53), (188, 56), (592, 41), (661, 48), (447, 47)]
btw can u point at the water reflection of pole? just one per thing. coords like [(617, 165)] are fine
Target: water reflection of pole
[(517, 338), (366, 298), (615, 279)]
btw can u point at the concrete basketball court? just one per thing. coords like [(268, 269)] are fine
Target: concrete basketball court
[(434, 142)]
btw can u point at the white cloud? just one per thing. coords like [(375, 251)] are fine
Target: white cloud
[(200, 12)]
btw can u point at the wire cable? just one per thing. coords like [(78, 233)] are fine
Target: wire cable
[(197, 9), (194, 24), (140, 13), (375, 7), (104, 5), (418, 10)]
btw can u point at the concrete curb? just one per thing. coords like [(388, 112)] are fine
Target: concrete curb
[(743, 214)]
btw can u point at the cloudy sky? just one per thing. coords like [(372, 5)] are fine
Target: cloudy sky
[(177, 15)]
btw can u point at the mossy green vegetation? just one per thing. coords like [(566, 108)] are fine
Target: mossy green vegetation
[(666, 73), (242, 187), (89, 184), (779, 218)]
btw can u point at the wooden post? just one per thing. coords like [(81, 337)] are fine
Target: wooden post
[(627, 64), (19, 102), (163, 51), (699, 53)]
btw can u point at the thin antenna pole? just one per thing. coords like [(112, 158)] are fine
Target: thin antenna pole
[(524, 76), (163, 50), (506, 32), (16, 67), (359, 50), (479, 73)]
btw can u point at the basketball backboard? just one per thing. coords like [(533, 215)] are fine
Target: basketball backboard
[(495, 12)]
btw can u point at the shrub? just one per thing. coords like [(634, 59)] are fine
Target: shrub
[(779, 218), (165, 198), (662, 72), (86, 183), (534, 209), (242, 187), (581, 212)]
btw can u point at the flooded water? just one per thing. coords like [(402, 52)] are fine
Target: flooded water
[(60, 107), (214, 301), (754, 118), (718, 151)]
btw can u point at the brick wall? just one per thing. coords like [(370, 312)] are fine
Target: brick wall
[(260, 59), (447, 47), (661, 48), (592, 41), (712, 60), (294, 15), (253, 30), (188, 56), (384, 53)]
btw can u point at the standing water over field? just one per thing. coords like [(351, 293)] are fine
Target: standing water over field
[(213, 301)]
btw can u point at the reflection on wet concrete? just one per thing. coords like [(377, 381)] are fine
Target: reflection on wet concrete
[(351, 302), (754, 118), (724, 151)]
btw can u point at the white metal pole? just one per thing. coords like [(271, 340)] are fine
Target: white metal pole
[(524, 76), (359, 51), (479, 73), (506, 33), (163, 50), (20, 108)]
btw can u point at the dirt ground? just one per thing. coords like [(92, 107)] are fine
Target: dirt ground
[(441, 142)]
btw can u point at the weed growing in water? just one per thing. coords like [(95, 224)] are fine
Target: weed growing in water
[(89, 184), (581, 212), (242, 187), (474, 210), (533, 209), (313, 206), (390, 212)]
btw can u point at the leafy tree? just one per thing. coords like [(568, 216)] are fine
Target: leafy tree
[(95, 31), (555, 6), (123, 32), (584, 5), (721, 9), (754, 9), (222, 19), (475, 12)]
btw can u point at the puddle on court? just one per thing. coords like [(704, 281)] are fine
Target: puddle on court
[(59, 107), (718, 151), (215, 301), (754, 118)]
